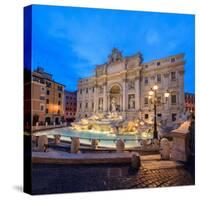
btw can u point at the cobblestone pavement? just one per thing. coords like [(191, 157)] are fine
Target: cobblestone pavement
[(146, 178), (79, 178)]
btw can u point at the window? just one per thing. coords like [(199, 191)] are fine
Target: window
[(80, 91), (39, 80), (173, 99), (146, 66), (146, 116), (58, 102), (146, 101), (80, 105), (146, 81), (158, 78), (48, 92), (92, 105), (48, 84), (58, 111), (86, 90), (47, 101), (41, 107), (42, 89), (173, 76), (42, 98), (86, 105), (47, 110), (159, 115), (59, 95), (173, 117), (60, 88), (93, 89), (158, 63), (173, 60)]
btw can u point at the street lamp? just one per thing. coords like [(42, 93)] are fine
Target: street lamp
[(153, 99)]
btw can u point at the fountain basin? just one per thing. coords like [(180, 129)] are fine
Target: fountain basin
[(106, 139)]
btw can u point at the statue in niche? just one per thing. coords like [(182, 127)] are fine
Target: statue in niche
[(100, 104), (131, 84), (113, 104), (131, 102), (116, 55)]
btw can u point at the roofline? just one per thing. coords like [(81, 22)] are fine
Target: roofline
[(70, 91), (49, 80), (175, 55), (86, 78)]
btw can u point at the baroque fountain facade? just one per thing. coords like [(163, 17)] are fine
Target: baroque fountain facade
[(113, 123)]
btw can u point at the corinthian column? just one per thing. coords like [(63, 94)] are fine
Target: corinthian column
[(181, 90), (124, 94), (105, 97), (137, 93), (95, 98)]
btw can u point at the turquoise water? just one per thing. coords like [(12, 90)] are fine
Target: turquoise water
[(106, 139)]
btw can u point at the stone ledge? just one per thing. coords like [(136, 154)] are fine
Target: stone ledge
[(150, 157), (81, 158)]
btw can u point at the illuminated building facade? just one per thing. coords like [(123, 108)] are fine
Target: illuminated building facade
[(122, 85), (70, 103), (47, 98), (189, 102)]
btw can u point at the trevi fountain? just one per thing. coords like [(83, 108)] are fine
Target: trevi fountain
[(108, 128)]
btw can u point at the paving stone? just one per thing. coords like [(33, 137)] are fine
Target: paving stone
[(65, 178)]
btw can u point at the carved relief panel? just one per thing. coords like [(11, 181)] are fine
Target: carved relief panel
[(131, 84)]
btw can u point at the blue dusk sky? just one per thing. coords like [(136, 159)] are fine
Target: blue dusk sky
[(69, 42)]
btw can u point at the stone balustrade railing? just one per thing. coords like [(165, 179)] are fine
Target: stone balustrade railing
[(133, 158), (46, 126)]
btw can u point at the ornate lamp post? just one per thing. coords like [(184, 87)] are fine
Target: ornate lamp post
[(154, 100)]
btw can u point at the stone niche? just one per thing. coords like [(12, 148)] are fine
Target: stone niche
[(131, 101)]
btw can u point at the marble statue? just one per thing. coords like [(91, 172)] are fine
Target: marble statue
[(131, 102), (100, 105), (115, 56), (113, 105)]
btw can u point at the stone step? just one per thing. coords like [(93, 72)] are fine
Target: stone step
[(162, 164), (150, 157)]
